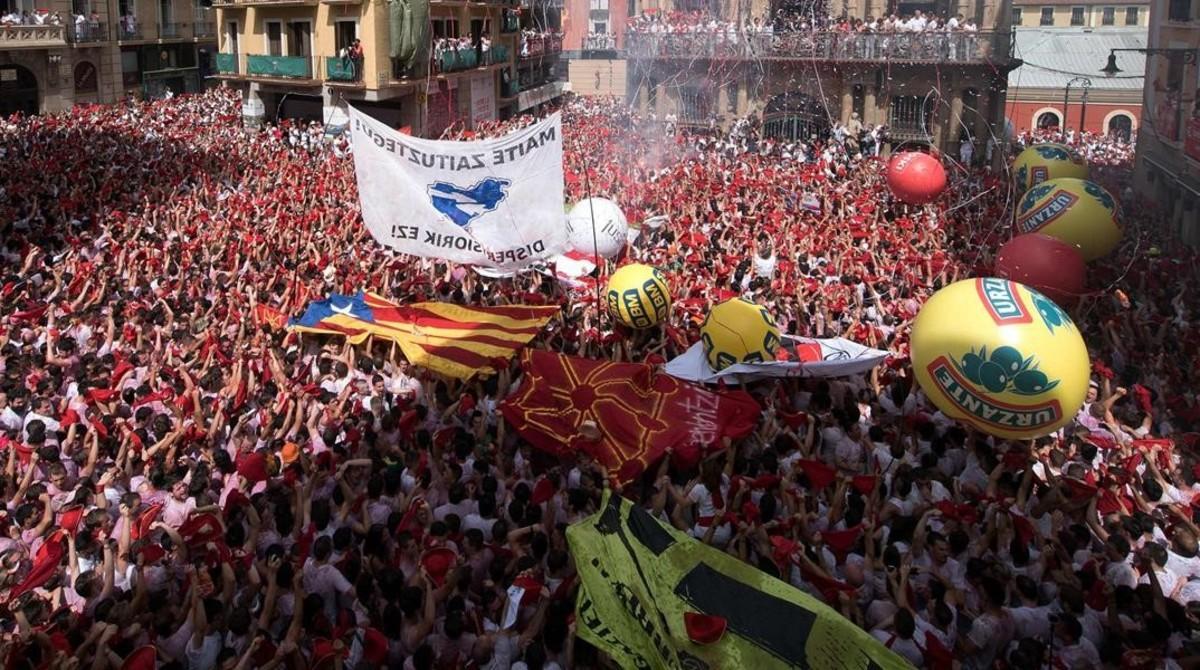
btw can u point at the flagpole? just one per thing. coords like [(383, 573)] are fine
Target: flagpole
[(587, 185)]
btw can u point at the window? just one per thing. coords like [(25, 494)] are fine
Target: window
[(599, 5), (1108, 16), (231, 38), (344, 34), (1047, 16), (911, 113), (731, 97), (1120, 127), (445, 27), (1131, 16), (1047, 120), (299, 38), (127, 8), (1016, 16), (164, 11), (274, 38), (1077, 16), (599, 27), (1179, 10)]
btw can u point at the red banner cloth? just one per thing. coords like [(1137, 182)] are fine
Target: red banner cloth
[(640, 412)]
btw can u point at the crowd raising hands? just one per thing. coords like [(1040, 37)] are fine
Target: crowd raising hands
[(182, 474)]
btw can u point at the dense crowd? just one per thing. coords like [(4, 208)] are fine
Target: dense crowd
[(1106, 150), (182, 475), (788, 21)]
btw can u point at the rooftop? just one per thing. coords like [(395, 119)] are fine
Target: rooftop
[(1054, 56)]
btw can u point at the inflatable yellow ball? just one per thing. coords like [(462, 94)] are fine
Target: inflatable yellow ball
[(738, 331), (1001, 357), (638, 296), (1076, 211), (1042, 162)]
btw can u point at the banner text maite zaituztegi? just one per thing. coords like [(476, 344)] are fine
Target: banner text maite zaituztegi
[(491, 203)]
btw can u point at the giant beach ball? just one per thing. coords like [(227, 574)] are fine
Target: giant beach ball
[(638, 296), (738, 331), (1042, 162), (612, 228), (915, 178), (1001, 357), (1044, 263), (1076, 211)]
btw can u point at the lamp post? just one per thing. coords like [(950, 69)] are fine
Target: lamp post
[(1086, 83)]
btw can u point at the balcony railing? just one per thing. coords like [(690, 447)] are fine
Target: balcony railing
[(825, 46), (542, 45), (32, 36), (83, 33), (127, 31), (600, 42), (263, 3), (457, 60), (204, 29), (227, 63), (169, 31), (279, 67), (339, 69)]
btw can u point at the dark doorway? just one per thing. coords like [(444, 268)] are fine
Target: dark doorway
[(18, 91)]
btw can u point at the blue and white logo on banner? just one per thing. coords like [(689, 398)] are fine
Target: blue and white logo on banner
[(464, 205)]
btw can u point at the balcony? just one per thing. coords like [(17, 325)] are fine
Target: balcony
[(129, 31), (170, 31), (32, 37), (238, 4), (983, 47), (203, 29), (541, 45), (451, 59), (88, 33), (227, 63), (339, 70), (279, 67)]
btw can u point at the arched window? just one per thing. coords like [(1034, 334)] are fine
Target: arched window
[(1120, 127), (1048, 120)]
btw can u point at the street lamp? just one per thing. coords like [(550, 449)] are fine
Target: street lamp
[(1111, 69), (1086, 83)]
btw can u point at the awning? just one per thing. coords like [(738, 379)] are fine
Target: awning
[(536, 96)]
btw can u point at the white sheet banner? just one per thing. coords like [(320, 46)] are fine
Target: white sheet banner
[(492, 203), (835, 357)]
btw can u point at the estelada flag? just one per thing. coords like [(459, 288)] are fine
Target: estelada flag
[(639, 411), (447, 339), (644, 586)]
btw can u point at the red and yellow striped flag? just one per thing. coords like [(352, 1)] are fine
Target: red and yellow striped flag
[(448, 339)]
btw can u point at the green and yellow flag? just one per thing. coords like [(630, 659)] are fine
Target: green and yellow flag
[(640, 577)]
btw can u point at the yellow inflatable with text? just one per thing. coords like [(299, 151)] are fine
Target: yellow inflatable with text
[(1043, 162), (738, 331), (638, 296), (1001, 357), (1076, 211)]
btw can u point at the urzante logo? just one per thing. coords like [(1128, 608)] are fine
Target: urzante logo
[(1002, 301), (1043, 216), (464, 205), (980, 409)]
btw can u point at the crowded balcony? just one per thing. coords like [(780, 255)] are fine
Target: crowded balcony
[(536, 45), (929, 47), (459, 54), (599, 42), (32, 36), (86, 31)]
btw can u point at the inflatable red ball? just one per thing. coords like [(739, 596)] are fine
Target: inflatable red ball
[(1045, 263), (916, 178)]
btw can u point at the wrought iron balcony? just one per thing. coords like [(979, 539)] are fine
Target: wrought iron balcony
[(88, 32), (960, 47), (170, 31)]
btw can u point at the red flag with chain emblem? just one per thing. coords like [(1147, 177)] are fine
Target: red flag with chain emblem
[(639, 412)]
